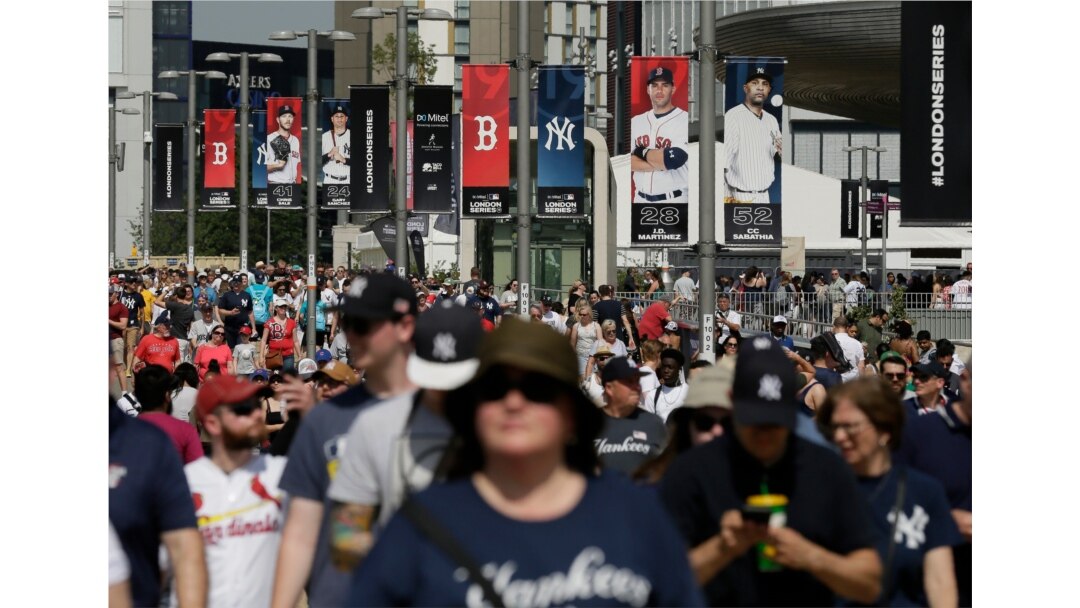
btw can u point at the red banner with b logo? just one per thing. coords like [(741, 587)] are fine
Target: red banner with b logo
[(219, 164), (485, 141)]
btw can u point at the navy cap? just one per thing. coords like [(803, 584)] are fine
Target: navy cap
[(763, 392), (661, 73), (759, 72), (339, 109), (619, 368), (286, 109), (163, 319), (932, 368), (447, 343), (379, 296)]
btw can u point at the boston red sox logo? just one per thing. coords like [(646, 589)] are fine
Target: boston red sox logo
[(658, 72), (642, 141)]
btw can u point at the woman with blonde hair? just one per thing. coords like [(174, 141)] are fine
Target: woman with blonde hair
[(584, 336)]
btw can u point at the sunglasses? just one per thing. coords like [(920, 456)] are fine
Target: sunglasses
[(922, 377), (731, 345), (849, 428), (704, 422), (243, 409), (217, 333), (361, 327), (895, 375), (329, 383), (537, 388)]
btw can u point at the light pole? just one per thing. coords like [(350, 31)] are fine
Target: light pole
[(116, 163), (148, 149), (707, 182), (401, 250), (192, 122), (245, 109), (864, 194), (311, 162)]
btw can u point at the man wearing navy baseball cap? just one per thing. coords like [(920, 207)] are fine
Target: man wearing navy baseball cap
[(284, 149), (630, 435), (337, 146), (707, 489)]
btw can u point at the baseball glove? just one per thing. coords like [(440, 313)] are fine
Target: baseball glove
[(281, 148), (674, 158)]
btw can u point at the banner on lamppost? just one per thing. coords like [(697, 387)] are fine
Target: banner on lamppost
[(258, 158), (935, 94), (283, 167), (451, 222), (168, 167), (219, 169), (560, 143), (432, 107), (849, 209), (485, 141), (371, 187), (753, 150), (336, 152), (879, 194), (659, 136)]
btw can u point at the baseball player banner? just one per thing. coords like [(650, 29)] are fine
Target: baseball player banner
[(219, 169), (560, 157), (336, 151), (258, 158), (371, 105), (935, 91), (659, 136), (408, 158), (169, 167), (432, 106), (753, 149), (283, 167), (485, 141)]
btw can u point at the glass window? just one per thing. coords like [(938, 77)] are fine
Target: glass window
[(890, 161), (461, 9), (171, 55), (116, 44), (461, 38), (172, 18), (807, 150), (594, 21), (568, 49), (570, 29), (834, 161), (458, 74)]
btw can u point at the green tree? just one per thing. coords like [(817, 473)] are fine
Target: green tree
[(421, 61)]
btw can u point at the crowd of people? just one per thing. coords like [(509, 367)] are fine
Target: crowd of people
[(439, 449)]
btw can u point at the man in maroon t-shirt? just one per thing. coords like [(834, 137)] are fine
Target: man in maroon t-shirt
[(153, 385), (159, 348), (118, 314), (651, 326)]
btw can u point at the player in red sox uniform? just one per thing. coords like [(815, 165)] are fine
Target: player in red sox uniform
[(238, 504), (284, 148), (658, 161), (752, 140)]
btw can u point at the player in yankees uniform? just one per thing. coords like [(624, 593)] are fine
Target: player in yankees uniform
[(284, 148), (752, 140), (658, 161), (238, 505), (337, 148)]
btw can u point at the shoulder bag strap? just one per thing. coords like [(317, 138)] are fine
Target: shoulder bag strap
[(897, 510), (422, 519)]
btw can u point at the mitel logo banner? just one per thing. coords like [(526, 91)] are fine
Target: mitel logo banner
[(485, 141), (431, 149), (560, 159)]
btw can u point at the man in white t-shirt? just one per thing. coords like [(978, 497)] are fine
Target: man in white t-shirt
[(552, 318), (727, 320), (961, 292), (684, 286), (853, 350)]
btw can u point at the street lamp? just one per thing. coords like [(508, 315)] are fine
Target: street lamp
[(864, 196), (116, 163), (148, 145), (191, 124), (245, 109), (401, 76), (312, 155)]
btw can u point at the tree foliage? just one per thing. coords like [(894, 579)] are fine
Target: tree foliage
[(421, 61)]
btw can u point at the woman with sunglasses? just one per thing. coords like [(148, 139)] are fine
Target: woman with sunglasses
[(729, 347), (528, 511), (703, 417), (214, 350), (593, 385), (509, 298), (865, 419)]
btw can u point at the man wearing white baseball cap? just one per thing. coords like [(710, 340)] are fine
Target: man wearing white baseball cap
[(403, 441)]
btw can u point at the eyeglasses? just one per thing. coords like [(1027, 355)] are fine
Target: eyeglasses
[(849, 428), (894, 375), (537, 388), (731, 345), (704, 422)]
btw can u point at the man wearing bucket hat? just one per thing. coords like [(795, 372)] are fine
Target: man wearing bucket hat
[(378, 316), (405, 441), (708, 491)]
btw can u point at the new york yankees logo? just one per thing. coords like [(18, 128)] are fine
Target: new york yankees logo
[(911, 530), (221, 153), (563, 134), (260, 152), (485, 130)]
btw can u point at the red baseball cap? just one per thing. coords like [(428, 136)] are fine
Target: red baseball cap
[(246, 330), (223, 390)]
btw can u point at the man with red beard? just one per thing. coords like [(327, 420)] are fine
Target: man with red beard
[(238, 503)]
